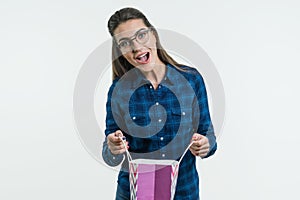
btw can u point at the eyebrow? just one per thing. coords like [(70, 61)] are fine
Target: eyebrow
[(128, 38)]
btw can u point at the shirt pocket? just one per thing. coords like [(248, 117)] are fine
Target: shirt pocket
[(182, 117), (140, 120), (175, 116)]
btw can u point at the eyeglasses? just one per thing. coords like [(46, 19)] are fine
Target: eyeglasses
[(141, 36)]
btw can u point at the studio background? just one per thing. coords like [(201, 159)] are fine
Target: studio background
[(254, 45)]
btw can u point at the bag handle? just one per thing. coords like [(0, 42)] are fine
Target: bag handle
[(185, 152), (127, 152), (130, 158)]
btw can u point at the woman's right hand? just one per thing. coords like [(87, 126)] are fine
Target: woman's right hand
[(115, 144)]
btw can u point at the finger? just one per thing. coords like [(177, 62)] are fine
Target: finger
[(196, 137), (111, 138), (203, 140), (119, 134), (117, 149), (202, 143), (117, 145), (123, 148), (193, 152), (116, 152), (200, 151), (195, 148), (206, 148), (203, 154), (196, 144), (115, 137)]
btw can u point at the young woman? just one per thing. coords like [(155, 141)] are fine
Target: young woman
[(153, 106)]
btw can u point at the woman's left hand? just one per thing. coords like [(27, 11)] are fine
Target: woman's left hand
[(200, 147)]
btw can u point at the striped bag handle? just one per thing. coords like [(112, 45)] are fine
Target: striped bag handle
[(130, 158)]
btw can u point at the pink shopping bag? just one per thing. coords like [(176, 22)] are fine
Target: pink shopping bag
[(152, 179)]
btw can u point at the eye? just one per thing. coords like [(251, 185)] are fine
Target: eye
[(141, 35), (124, 44)]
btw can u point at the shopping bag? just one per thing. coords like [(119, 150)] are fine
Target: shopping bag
[(152, 179)]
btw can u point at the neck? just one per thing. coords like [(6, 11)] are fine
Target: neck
[(156, 75)]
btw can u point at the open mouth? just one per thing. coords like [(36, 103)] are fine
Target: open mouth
[(143, 58)]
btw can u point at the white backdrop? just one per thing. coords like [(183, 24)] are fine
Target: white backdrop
[(254, 44)]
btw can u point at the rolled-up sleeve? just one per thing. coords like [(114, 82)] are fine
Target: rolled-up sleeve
[(202, 115), (109, 158), (111, 127)]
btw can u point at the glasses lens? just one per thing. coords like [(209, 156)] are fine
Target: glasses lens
[(124, 44), (142, 36)]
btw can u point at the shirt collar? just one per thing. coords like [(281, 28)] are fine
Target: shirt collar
[(140, 79)]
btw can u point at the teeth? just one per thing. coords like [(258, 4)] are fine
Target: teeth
[(142, 55)]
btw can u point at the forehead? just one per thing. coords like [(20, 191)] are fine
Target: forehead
[(129, 28)]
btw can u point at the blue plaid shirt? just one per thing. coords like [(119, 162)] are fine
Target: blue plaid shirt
[(159, 124)]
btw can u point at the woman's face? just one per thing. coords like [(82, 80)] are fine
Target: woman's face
[(137, 44)]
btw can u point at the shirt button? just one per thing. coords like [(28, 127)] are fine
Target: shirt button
[(161, 138), (183, 113), (134, 118), (159, 86), (114, 158), (159, 120), (150, 86), (163, 155), (157, 103)]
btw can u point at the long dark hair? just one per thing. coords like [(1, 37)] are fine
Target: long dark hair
[(119, 64)]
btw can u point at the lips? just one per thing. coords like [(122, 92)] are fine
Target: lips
[(143, 58)]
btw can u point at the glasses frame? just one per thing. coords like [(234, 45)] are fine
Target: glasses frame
[(134, 37)]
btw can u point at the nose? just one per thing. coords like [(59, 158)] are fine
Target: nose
[(135, 45)]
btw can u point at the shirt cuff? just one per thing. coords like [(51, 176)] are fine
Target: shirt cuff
[(110, 158), (212, 145), (116, 159)]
